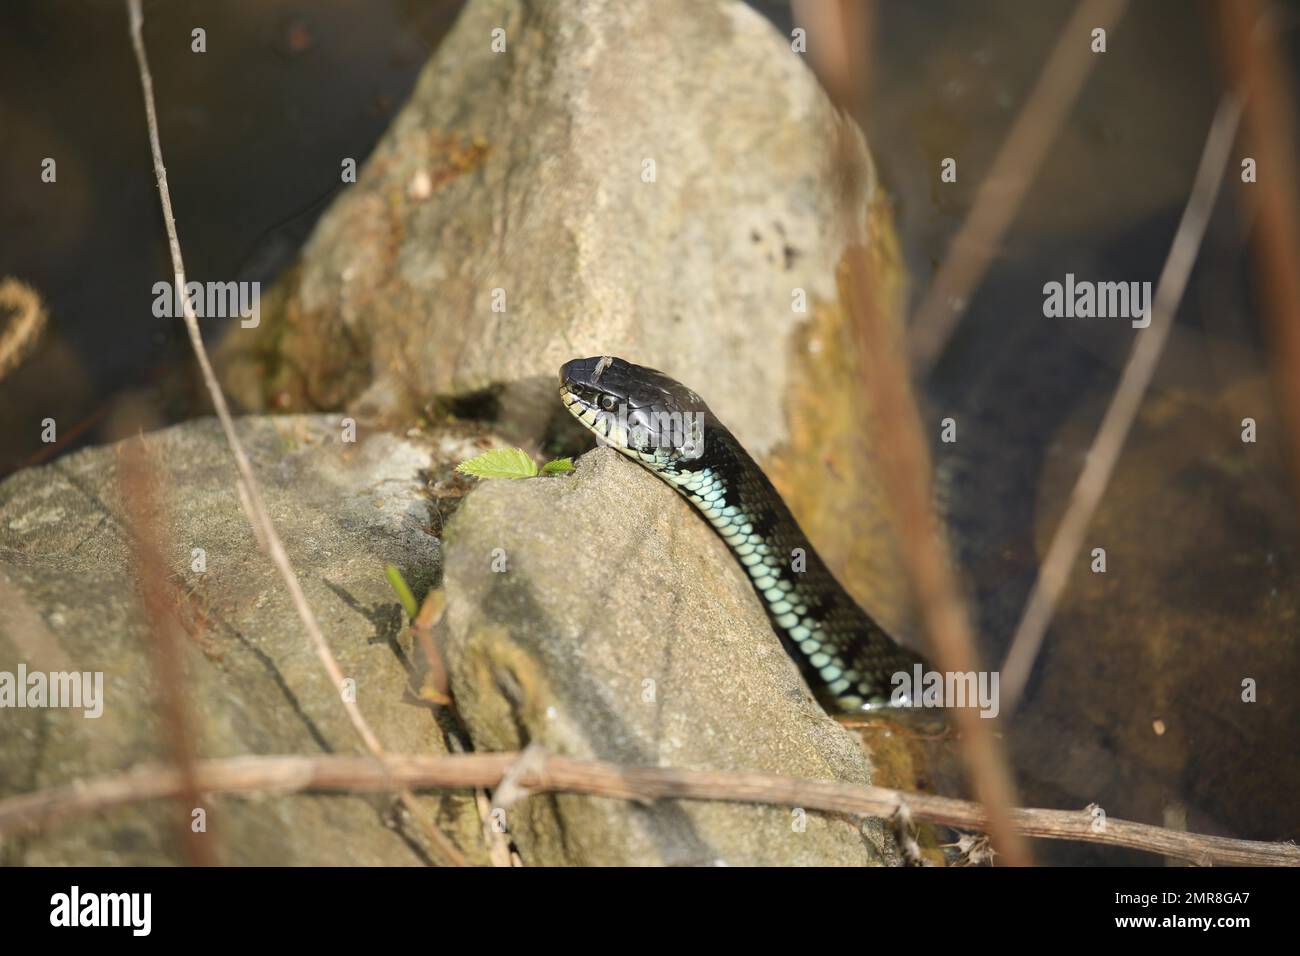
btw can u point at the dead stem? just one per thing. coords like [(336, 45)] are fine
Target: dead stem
[(1258, 73), (251, 496), (906, 471), (1000, 194), (293, 774), (1099, 464), (141, 502)]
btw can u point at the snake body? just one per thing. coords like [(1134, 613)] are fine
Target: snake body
[(845, 656)]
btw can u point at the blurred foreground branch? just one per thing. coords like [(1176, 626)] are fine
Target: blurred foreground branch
[(1260, 74), (292, 774), (140, 489), (20, 335), (905, 467), (250, 494), (1099, 464), (1003, 189)]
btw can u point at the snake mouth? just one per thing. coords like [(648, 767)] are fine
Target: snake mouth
[(604, 425), (581, 410), (601, 407)]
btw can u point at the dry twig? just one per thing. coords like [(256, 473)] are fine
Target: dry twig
[(905, 468), (251, 495), (292, 774), (435, 688), (1122, 411), (1259, 73), (138, 480), (20, 336), (1004, 188)]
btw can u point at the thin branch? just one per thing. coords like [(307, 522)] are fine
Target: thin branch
[(293, 774), (19, 338), (841, 32), (251, 496), (1004, 188), (498, 847), (138, 480), (906, 470), (436, 687), (252, 500), (1120, 415), (1259, 73), (27, 630), (924, 547)]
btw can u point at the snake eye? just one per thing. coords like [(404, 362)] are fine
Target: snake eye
[(608, 402)]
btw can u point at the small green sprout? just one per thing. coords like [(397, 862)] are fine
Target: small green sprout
[(511, 463), (403, 591)]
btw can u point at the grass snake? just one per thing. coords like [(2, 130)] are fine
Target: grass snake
[(846, 657)]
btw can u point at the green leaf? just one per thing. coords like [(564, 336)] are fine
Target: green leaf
[(500, 463), (403, 592), (557, 467)]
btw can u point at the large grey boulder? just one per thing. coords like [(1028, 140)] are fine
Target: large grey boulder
[(651, 179), (618, 627), (69, 601), (645, 178), (598, 616)]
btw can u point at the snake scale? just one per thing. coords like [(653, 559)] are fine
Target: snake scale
[(665, 427)]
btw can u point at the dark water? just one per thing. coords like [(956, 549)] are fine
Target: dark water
[(1136, 700), (253, 134), (1200, 532)]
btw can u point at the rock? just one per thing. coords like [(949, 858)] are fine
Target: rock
[(254, 685), (1145, 677), (599, 188), (611, 582), (597, 615)]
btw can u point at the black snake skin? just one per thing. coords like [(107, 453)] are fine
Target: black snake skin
[(845, 656)]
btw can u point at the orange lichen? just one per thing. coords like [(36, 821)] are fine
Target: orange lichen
[(827, 469)]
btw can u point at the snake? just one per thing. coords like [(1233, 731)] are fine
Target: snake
[(848, 660)]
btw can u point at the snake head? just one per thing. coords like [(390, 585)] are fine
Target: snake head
[(639, 411)]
